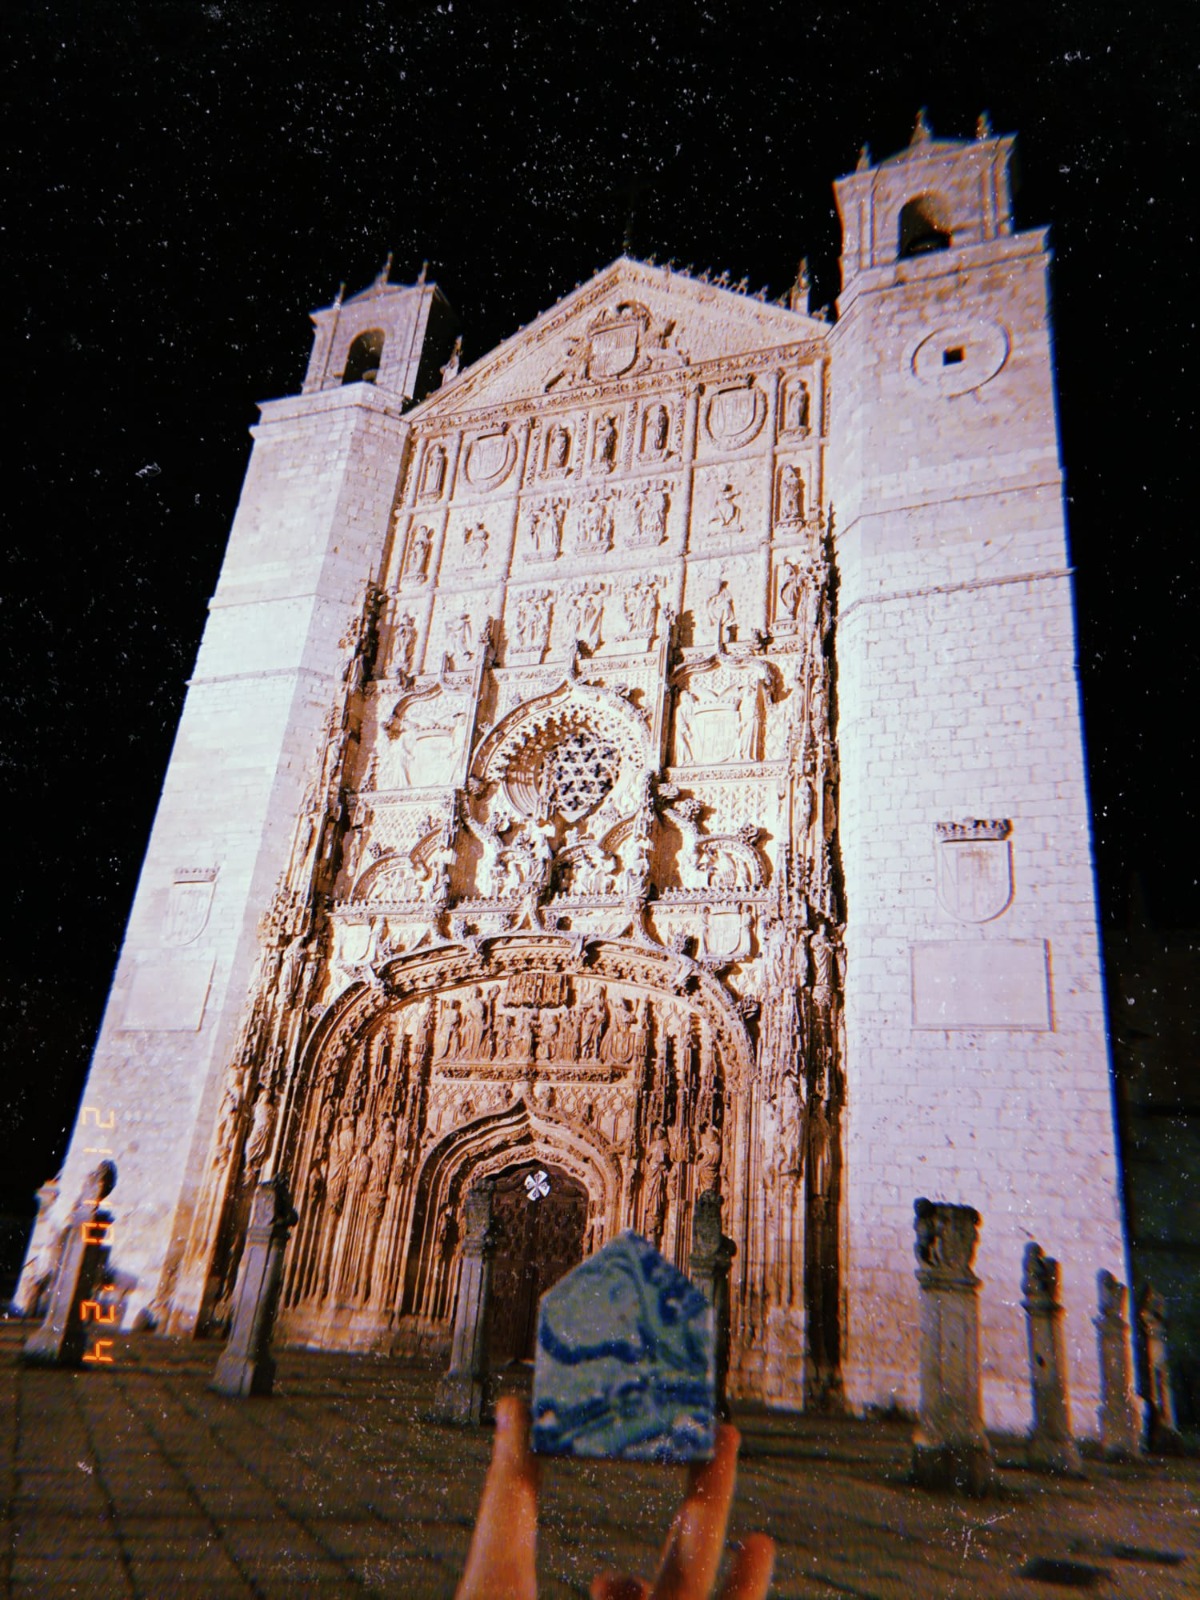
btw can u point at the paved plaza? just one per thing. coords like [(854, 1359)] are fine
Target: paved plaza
[(135, 1480)]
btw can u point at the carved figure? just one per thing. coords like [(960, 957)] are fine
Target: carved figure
[(227, 1118), (655, 430), (604, 449), (475, 545), (460, 638), (595, 523), (558, 448), (641, 608), (655, 1190), (727, 513), (259, 1138), (416, 560), (587, 611), (592, 1023), (719, 610), (651, 513), (433, 473), (545, 529), (404, 644), (797, 407), (450, 370), (708, 1161), (791, 495), (533, 620)]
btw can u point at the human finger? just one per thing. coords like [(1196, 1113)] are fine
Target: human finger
[(697, 1537), (502, 1560), (750, 1574)]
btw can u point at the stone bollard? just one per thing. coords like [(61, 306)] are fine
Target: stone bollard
[(62, 1339), (950, 1448), (1120, 1429), (1162, 1431), (712, 1254), (245, 1366), (1050, 1447), (461, 1392)]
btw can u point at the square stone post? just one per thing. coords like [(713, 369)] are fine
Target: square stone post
[(950, 1448), (1050, 1447), (461, 1391), (62, 1339), (1120, 1426), (245, 1366), (1162, 1431), (712, 1254)]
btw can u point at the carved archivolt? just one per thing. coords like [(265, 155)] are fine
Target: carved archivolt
[(453, 1063)]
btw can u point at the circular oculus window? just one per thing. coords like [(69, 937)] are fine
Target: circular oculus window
[(961, 356)]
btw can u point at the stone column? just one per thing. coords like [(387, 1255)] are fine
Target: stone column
[(245, 1366), (461, 1391), (62, 1339), (1162, 1432), (1120, 1427), (1050, 1447), (712, 1254), (950, 1448)]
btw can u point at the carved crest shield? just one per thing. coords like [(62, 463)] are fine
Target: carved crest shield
[(614, 348), (735, 415), (974, 869), (490, 458), (188, 905)]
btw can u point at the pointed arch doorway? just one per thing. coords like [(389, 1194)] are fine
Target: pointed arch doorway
[(540, 1240)]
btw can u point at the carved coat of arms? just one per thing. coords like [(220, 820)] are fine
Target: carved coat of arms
[(974, 869), (188, 904)]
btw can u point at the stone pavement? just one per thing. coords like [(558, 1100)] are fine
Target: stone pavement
[(135, 1480)]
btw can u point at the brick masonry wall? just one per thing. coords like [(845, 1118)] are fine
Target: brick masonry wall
[(958, 698), (310, 528)]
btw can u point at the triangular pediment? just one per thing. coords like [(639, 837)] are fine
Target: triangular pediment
[(630, 320)]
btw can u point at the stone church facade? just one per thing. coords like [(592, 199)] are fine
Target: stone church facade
[(652, 759)]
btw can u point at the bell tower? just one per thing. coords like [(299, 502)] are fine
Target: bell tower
[(310, 532), (974, 1010)]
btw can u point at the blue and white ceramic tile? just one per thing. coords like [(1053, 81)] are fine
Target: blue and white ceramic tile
[(625, 1363)]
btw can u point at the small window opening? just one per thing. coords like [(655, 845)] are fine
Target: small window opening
[(921, 230), (953, 356), (363, 357)]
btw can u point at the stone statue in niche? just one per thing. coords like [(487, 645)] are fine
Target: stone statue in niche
[(545, 530), (655, 431), (227, 1118), (416, 560), (641, 608), (708, 1161), (791, 495), (404, 645), (604, 446), (558, 449), (258, 1140), (433, 473), (533, 620), (796, 407), (718, 608), (587, 613), (475, 545), (650, 516), (727, 513), (460, 638), (654, 1214), (595, 523)]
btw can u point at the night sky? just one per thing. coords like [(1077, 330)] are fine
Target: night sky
[(185, 182)]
